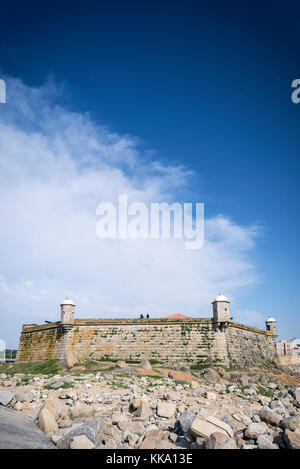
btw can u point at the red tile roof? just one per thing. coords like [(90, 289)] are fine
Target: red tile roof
[(176, 316)]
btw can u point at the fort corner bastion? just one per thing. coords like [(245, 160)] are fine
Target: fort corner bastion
[(177, 338)]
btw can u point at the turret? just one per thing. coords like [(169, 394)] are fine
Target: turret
[(221, 311), (67, 311), (271, 325)]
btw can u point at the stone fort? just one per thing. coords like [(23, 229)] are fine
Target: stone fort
[(174, 339)]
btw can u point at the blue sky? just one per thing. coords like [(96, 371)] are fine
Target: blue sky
[(199, 88)]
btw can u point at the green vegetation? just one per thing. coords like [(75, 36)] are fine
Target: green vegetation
[(264, 391), (200, 366), (182, 382), (119, 385), (63, 386), (151, 384), (106, 358), (152, 376), (45, 367)]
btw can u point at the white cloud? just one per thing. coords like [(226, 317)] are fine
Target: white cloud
[(56, 166), (253, 318)]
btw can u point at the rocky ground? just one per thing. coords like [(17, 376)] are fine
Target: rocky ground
[(108, 405)]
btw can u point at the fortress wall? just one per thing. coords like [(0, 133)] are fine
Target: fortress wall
[(248, 346), (40, 343), (188, 340)]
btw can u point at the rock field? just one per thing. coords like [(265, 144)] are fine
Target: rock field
[(122, 406)]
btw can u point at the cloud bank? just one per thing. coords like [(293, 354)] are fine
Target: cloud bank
[(56, 166)]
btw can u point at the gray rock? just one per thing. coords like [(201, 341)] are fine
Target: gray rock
[(81, 442), (25, 397), (185, 368), (185, 421), (142, 413), (276, 405), (18, 432), (57, 384), (292, 423), (93, 430), (256, 418), (6, 397), (165, 409), (297, 397), (228, 420), (283, 412), (255, 429), (263, 442), (229, 444), (270, 417), (292, 439), (145, 364), (264, 380), (215, 440), (211, 376), (244, 381)]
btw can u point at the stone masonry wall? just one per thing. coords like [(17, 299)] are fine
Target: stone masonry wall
[(247, 346), (40, 342), (156, 340), (172, 341)]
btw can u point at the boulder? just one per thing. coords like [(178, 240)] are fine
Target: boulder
[(270, 417), (215, 440), (263, 442), (21, 406), (115, 417), (81, 410), (93, 430), (297, 397), (256, 429), (185, 368), (152, 438), (46, 421), (57, 384), (65, 422), (143, 412), (244, 381), (211, 396), (135, 427), (212, 376), (50, 406), (25, 397), (121, 364), (123, 423), (18, 432), (185, 421), (165, 409), (292, 439), (229, 444), (81, 442), (145, 364), (139, 401), (292, 423), (220, 424), (6, 397), (205, 429)]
